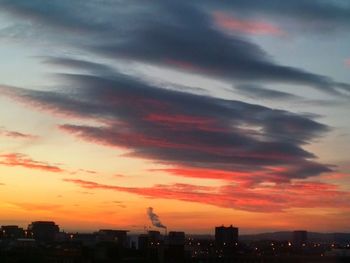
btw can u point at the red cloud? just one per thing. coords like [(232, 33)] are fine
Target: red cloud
[(17, 159), (230, 23), (184, 122), (243, 178), (272, 198)]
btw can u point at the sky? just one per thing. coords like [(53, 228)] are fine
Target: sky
[(208, 112)]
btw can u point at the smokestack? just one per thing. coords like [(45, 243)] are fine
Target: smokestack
[(155, 218)]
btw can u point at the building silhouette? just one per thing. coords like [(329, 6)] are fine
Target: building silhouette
[(142, 242), (11, 232), (226, 236), (174, 250), (44, 243), (43, 231), (176, 238)]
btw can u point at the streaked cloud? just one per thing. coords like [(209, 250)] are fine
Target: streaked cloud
[(257, 91), (22, 160), (15, 134), (261, 155), (182, 38), (260, 199), (182, 129)]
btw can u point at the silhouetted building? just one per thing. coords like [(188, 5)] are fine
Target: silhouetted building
[(176, 238), (149, 240), (226, 236), (154, 235), (44, 231), (151, 246), (117, 236), (142, 242), (299, 238), (154, 238), (175, 249), (11, 232)]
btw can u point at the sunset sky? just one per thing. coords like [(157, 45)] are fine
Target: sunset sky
[(211, 112)]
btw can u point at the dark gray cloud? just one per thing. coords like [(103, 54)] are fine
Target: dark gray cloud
[(87, 15), (180, 128), (61, 14), (175, 127), (177, 34), (258, 92), (184, 38), (317, 15)]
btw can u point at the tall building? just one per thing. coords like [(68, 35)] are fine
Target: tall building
[(45, 231), (175, 249), (143, 241), (299, 238), (226, 236), (150, 240), (154, 238), (151, 246)]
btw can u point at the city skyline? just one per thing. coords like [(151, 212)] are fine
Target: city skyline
[(43, 241), (205, 113)]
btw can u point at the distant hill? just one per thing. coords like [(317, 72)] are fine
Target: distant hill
[(288, 235)]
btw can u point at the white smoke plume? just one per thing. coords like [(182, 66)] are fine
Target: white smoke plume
[(154, 218)]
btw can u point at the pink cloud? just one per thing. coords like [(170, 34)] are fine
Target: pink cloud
[(17, 159), (227, 22), (242, 178)]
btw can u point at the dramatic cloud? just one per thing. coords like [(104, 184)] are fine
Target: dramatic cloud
[(176, 34), (245, 146), (269, 198), (183, 129), (316, 16), (17, 159)]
